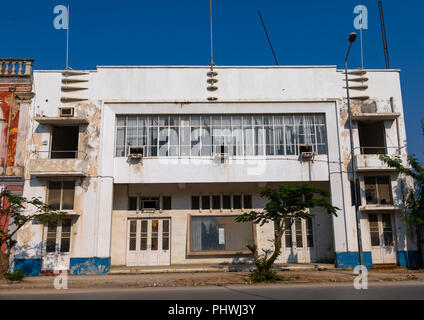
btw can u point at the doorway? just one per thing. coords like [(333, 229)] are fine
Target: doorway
[(57, 244), (298, 241), (148, 242), (382, 234)]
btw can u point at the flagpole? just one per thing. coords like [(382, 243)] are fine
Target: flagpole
[(210, 16), (67, 43), (362, 48)]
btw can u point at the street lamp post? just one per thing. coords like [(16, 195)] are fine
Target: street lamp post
[(352, 38)]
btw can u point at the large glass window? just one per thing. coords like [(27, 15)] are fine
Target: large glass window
[(206, 135), (220, 234), (59, 236), (378, 190), (61, 195)]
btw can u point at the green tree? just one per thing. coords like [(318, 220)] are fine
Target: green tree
[(12, 209), (285, 205), (415, 197), (414, 201)]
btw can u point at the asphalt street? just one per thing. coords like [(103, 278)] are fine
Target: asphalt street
[(375, 291)]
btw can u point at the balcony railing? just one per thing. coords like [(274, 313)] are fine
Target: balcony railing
[(61, 154), (369, 159), (378, 150), (16, 67)]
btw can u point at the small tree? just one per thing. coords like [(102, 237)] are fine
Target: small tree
[(12, 209), (285, 205), (414, 201), (415, 198)]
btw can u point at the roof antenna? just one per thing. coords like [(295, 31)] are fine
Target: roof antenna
[(383, 33), (269, 41)]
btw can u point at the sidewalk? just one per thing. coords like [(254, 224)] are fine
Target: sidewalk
[(180, 277), (215, 268)]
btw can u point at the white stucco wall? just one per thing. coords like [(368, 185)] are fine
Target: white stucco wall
[(182, 90)]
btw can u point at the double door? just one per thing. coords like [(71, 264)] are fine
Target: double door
[(382, 236), (298, 241), (148, 242), (57, 245)]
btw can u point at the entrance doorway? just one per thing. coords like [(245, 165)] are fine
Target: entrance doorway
[(57, 247), (298, 241), (383, 247), (148, 242)]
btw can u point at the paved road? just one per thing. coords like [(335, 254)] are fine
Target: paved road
[(392, 291)]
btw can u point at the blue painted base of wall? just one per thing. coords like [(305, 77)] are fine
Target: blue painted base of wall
[(89, 265), (409, 259), (349, 260), (32, 267)]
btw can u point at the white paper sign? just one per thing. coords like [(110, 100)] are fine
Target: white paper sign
[(221, 235)]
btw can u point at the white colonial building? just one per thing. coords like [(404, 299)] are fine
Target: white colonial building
[(152, 164)]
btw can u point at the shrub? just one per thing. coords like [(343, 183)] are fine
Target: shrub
[(267, 276), (16, 275)]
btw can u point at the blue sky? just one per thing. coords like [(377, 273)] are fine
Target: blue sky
[(165, 32)]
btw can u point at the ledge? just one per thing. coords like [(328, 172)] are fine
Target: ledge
[(58, 167), (64, 121), (375, 116), (389, 207)]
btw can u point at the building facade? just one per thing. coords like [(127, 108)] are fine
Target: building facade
[(15, 99), (152, 164)]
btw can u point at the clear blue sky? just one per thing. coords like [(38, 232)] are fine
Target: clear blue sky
[(166, 32)]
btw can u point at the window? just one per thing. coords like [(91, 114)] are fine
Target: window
[(211, 234), (228, 202), (195, 203), (216, 202), (132, 203), (61, 195), (152, 203), (247, 201), (143, 234), (372, 137), (133, 235), (58, 239), (299, 237), (309, 234), (375, 234), (378, 190), (288, 233), (236, 202), (206, 203), (166, 203), (64, 142), (149, 203), (165, 235), (205, 135)]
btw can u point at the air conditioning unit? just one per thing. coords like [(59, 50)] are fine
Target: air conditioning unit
[(66, 112), (306, 151), (135, 152)]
